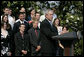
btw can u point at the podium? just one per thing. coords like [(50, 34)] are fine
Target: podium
[(67, 40)]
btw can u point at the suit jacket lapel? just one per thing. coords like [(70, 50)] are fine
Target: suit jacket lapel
[(48, 24)]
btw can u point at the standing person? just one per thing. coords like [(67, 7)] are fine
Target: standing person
[(60, 47), (57, 25), (23, 17), (32, 14), (35, 39), (10, 13), (5, 41), (22, 9), (37, 15), (6, 10), (64, 29), (17, 24), (9, 29), (48, 44), (22, 42), (5, 20)]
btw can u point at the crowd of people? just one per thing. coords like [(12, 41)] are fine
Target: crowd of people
[(31, 36)]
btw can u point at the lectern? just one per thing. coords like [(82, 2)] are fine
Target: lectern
[(67, 41)]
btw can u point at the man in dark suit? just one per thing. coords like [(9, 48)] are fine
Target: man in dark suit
[(20, 21), (22, 44), (46, 28), (35, 39)]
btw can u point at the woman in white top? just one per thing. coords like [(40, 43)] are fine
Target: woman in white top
[(5, 20), (56, 23)]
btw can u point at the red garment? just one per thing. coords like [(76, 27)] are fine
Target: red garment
[(36, 32), (30, 22)]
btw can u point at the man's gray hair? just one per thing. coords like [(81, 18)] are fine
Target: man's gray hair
[(47, 11)]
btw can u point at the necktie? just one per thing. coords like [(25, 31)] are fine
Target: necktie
[(36, 32)]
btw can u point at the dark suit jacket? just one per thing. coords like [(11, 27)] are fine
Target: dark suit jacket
[(16, 27), (29, 18), (48, 44), (21, 43), (34, 40)]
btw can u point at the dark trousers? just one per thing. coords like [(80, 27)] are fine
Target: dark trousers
[(59, 51)]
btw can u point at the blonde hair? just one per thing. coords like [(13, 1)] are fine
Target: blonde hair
[(34, 20)]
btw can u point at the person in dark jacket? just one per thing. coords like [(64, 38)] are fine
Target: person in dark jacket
[(17, 24), (35, 39), (48, 44), (22, 47)]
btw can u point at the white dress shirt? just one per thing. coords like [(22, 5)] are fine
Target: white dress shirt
[(20, 21), (11, 21)]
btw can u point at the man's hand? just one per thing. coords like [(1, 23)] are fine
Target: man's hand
[(9, 53), (24, 52), (38, 48)]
